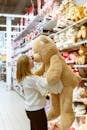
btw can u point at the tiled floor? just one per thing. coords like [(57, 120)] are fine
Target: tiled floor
[(12, 114)]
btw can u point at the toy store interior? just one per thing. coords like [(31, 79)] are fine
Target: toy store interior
[(63, 21)]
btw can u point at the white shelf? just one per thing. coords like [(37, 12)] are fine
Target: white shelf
[(77, 24), (70, 62), (84, 79), (33, 24), (73, 46), (81, 66)]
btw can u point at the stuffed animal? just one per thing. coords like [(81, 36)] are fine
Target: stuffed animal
[(83, 125), (82, 33), (76, 13), (79, 101), (82, 57), (80, 123), (85, 11), (65, 5), (54, 68)]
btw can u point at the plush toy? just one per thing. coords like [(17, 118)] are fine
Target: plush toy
[(80, 123), (82, 57), (54, 68), (83, 125), (65, 5), (82, 33), (79, 101), (84, 95), (85, 11), (76, 13)]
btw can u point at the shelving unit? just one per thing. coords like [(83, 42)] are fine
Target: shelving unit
[(33, 24), (76, 24), (74, 46), (71, 48), (81, 66), (37, 22)]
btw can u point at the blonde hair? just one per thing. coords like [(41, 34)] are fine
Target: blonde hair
[(23, 68)]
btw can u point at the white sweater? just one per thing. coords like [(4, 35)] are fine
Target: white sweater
[(35, 89)]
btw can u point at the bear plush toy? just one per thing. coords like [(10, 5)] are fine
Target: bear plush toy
[(83, 125), (82, 55), (76, 13), (54, 68), (82, 33)]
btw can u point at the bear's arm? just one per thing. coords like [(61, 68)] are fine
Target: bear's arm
[(54, 72), (40, 70)]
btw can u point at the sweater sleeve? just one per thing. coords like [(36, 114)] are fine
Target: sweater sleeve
[(44, 87), (40, 84)]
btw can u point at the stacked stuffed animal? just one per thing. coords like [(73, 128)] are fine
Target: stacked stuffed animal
[(82, 57), (76, 13), (54, 68), (82, 33), (83, 126)]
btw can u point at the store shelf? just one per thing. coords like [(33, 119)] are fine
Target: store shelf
[(76, 24), (84, 79), (81, 66), (50, 24), (70, 62), (32, 26), (74, 46)]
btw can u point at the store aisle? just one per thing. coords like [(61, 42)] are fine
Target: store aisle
[(12, 114)]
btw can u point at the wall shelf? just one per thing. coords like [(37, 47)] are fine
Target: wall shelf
[(76, 24), (81, 66)]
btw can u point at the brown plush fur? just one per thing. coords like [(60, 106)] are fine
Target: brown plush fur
[(54, 69)]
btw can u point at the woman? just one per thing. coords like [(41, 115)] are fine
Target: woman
[(35, 89)]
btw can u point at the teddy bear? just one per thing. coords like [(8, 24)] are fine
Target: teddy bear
[(83, 127), (80, 100), (54, 68), (82, 33), (82, 55), (76, 13), (85, 11), (65, 5), (83, 124)]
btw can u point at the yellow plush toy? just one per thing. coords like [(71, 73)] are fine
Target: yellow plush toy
[(76, 13), (82, 57), (82, 33), (54, 68)]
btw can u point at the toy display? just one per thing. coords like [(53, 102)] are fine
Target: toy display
[(66, 5), (83, 124), (80, 123), (63, 58), (80, 106), (82, 57), (80, 101), (54, 68), (82, 33), (76, 13)]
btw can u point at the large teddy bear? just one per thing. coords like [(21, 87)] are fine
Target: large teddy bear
[(54, 68)]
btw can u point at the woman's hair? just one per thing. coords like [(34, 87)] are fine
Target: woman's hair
[(23, 68)]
